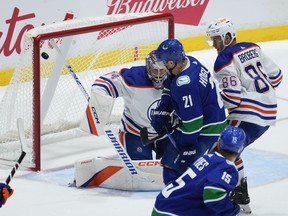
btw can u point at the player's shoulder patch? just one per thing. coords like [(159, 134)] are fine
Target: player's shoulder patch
[(112, 75), (183, 80), (136, 76), (223, 59)]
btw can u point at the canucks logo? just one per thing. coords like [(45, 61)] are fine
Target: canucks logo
[(165, 47), (183, 80)]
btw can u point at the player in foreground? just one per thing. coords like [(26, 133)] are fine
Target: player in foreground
[(248, 79), (5, 193), (191, 93), (141, 88), (205, 187)]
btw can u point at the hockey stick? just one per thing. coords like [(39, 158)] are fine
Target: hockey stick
[(146, 141), (144, 135), (122, 153), (128, 162), (20, 126), (91, 111), (68, 66), (119, 148)]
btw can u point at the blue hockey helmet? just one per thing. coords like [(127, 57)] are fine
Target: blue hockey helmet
[(170, 50), (232, 139)]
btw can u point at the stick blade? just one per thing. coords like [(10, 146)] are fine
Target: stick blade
[(144, 136), (21, 134), (246, 209)]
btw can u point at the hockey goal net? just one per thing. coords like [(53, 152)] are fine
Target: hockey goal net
[(46, 96)]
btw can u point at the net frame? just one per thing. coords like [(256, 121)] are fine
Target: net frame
[(70, 32)]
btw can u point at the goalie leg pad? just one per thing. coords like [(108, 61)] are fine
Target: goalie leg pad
[(110, 173)]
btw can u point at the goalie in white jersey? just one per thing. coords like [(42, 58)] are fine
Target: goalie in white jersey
[(140, 87), (247, 78)]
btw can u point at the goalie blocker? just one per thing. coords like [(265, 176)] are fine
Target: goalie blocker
[(109, 172), (97, 113)]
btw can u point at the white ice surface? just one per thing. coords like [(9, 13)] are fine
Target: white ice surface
[(46, 193)]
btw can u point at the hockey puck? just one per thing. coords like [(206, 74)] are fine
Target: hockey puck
[(44, 55)]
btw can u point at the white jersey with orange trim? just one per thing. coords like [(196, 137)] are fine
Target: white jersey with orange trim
[(140, 97), (248, 80)]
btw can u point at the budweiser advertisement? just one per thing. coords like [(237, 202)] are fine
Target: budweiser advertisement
[(191, 16), (187, 12)]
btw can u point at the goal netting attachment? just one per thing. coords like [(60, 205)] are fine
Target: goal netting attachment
[(46, 96)]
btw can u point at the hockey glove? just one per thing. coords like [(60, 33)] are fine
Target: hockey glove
[(160, 121), (185, 158), (5, 193)]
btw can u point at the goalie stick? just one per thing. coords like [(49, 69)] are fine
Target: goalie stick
[(68, 66), (128, 162), (20, 127), (122, 153), (144, 135), (89, 111)]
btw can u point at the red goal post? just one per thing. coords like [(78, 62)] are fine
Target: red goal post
[(43, 92)]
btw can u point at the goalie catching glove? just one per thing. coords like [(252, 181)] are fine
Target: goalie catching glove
[(5, 193)]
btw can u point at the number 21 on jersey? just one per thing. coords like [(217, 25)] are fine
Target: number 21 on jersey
[(187, 101)]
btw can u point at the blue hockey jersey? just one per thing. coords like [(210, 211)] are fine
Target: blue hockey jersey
[(202, 190), (195, 98)]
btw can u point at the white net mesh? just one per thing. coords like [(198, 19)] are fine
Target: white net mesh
[(62, 103)]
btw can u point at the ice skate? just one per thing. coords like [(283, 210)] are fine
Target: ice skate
[(241, 197)]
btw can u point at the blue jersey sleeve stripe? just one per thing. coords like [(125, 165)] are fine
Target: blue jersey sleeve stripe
[(231, 101), (112, 85), (104, 87), (271, 106), (253, 113), (276, 81), (236, 98), (277, 76), (232, 91)]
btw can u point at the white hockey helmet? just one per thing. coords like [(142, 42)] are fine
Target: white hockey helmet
[(220, 27), (156, 70)]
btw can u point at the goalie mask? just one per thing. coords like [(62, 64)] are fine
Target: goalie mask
[(156, 70), (220, 28)]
